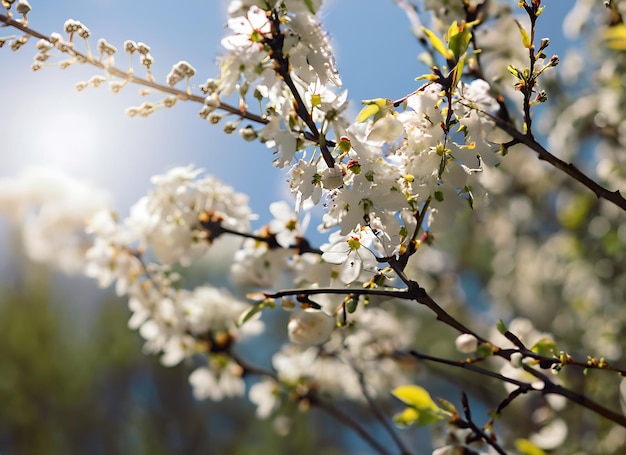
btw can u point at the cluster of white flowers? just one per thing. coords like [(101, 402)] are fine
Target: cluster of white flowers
[(52, 209), (174, 321), (338, 362), (380, 182)]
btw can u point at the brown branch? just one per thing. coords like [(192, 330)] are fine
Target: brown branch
[(476, 429), (283, 69), (552, 388), (568, 168), (180, 94)]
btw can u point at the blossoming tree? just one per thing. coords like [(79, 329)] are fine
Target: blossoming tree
[(464, 181)]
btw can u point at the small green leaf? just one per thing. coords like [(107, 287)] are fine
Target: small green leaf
[(246, 316), (514, 71), (458, 71), (459, 37), (525, 447), (616, 37), (421, 407), (378, 108), (309, 5), (367, 112), (406, 418), (546, 347), (438, 44), (502, 327), (447, 406), (525, 37)]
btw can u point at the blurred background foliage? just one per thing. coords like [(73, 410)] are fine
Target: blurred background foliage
[(74, 380)]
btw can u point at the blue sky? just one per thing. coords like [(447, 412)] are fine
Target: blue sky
[(46, 122)]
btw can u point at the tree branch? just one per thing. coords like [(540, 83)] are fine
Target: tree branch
[(568, 168), (180, 94)]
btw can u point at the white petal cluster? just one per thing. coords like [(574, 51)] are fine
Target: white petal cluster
[(217, 382), (182, 70), (52, 209), (367, 343)]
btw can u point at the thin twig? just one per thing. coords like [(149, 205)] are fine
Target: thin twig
[(180, 94), (568, 168), (476, 429), (347, 420), (382, 418)]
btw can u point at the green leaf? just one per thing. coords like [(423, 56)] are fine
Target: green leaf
[(246, 316), (525, 447), (459, 37), (367, 112), (616, 37), (378, 108), (421, 407), (514, 71), (406, 418), (525, 37), (438, 44), (502, 327), (309, 5), (458, 72), (546, 347)]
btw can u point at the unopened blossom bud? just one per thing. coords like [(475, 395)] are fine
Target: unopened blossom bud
[(230, 127), (209, 87), (212, 101), (44, 46), (18, 43), (143, 48), (130, 46), (351, 304), (344, 144), (146, 60), (248, 134), (116, 86), (310, 327), (205, 111), (105, 47), (169, 101), (95, 81), (466, 343), (554, 60), (22, 7), (55, 38), (83, 32), (71, 26), (214, 118)]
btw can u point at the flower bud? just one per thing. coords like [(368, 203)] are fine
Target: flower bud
[(248, 134), (466, 343)]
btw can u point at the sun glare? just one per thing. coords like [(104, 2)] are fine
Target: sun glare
[(68, 139)]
